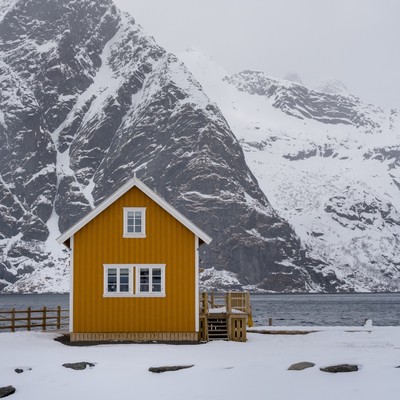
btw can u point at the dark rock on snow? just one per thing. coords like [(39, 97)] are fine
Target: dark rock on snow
[(300, 366), (158, 370), (21, 370), (78, 366), (340, 368), (6, 391)]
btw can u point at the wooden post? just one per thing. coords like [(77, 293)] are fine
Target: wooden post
[(212, 299), (270, 321), (13, 320), (205, 303), (28, 317), (228, 302), (44, 318), (58, 317)]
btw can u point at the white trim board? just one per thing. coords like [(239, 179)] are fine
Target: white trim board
[(196, 284), (71, 287), (120, 192)]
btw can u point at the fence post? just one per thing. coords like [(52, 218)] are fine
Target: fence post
[(13, 320), (44, 318), (29, 318), (228, 302), (58, 317), (205, 303)]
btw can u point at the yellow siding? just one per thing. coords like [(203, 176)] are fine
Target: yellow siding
[(101, 242)]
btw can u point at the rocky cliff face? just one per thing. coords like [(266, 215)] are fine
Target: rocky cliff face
[(86, 99), (327, 161)]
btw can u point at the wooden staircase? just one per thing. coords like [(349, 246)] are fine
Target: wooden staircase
[(223, 316), (217, 328)]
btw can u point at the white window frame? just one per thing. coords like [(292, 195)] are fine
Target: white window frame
[(150, 293), (117, 293), (141, 234)]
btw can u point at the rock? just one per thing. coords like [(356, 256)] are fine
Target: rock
[(300, 366), (78, 366), (368, 323), (340, 368), (21, 370), (6, 391), (158, 370)]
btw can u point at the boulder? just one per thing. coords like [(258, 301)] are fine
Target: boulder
[(21, 370), (158, 370), (6, 391), (301, 365), (78, 366), (340, 368)]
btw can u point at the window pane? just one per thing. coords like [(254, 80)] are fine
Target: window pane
[(124, 288), (144, 272), (144, 288), (157, 272), (130, 214), (124, 280), (112, 280), (156, 288), (144, 280), (138, 214), (138, 228)]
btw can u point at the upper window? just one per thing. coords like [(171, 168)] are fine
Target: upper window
[(134, 222), (117, 280)]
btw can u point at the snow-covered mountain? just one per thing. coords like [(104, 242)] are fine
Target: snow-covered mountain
[(86, 99), (328, 162)]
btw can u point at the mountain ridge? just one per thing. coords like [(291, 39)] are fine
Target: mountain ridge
[(100, 99), (334, 179)]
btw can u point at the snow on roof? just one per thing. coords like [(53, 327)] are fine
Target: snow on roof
[(121, 191)]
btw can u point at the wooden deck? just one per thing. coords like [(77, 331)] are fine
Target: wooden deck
[(224, 316)]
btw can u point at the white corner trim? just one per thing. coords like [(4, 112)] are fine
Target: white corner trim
[(71, 286), (116, 195), (196, 283)]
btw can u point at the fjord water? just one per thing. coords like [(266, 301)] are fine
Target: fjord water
[(284, 309), (327, 309)]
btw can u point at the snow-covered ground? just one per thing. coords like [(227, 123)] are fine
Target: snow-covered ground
[(222, 370)]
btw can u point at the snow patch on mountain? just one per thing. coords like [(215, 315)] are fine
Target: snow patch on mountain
[(328, 163)]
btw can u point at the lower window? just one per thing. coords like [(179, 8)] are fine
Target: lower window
[(118, 280), (150, 280)]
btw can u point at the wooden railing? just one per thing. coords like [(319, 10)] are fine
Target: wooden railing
[(30, 319), (231, 301)]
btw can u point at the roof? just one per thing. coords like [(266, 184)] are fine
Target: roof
[(120, 192)]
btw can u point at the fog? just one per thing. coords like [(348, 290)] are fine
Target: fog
[(355, 41)]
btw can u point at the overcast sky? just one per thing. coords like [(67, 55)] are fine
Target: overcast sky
[(355, 41)]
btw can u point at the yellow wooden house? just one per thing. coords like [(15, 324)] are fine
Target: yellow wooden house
[(134, 270)]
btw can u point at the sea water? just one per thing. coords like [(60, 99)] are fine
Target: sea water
[(284, 309)]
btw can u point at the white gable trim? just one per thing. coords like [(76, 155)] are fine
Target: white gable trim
[(121, 191)]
